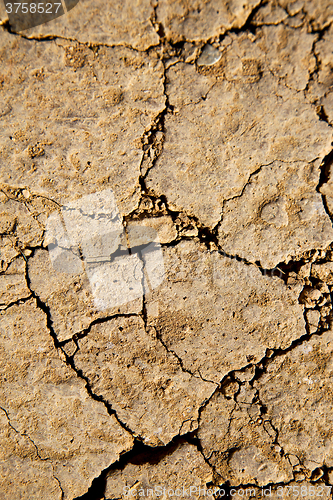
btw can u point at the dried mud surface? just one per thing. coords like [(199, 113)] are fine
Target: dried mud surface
[(178, 337)]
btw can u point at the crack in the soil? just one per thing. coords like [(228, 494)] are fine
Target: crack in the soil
[(207, 235), (324, 177), (139, 454), (16, 302), (144, 316), (259, 368), (158, 336), (152, 142), (91, 45), (23, 434), (83, 333), (36, 448), (69, 360), (59, 484), (319, 108)]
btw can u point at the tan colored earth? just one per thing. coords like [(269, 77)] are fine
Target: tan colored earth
[(166, 251)]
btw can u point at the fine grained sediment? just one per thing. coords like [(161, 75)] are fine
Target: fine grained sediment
[(166, 259)]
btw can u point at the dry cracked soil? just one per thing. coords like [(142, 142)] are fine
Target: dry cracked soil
[(166, 251)]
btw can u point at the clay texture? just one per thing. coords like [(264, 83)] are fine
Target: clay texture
[(166, 251)]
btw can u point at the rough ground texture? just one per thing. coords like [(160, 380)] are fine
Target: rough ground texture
[(211, 123)]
